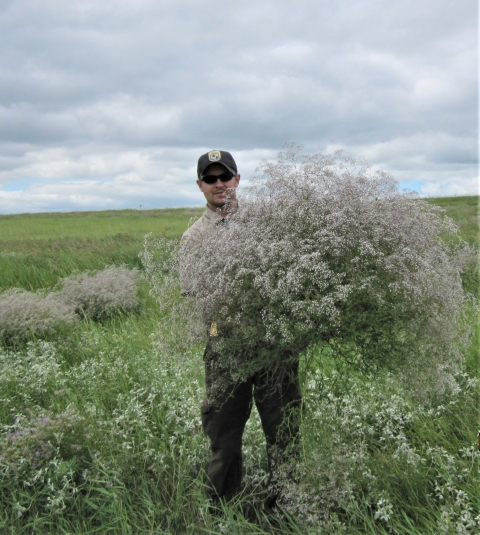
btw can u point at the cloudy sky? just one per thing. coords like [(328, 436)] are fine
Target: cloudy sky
[(108, 104)]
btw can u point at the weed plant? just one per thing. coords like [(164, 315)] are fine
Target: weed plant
[(25, 315), (323, 251), (96, 295), (101, 433), (100, 294)]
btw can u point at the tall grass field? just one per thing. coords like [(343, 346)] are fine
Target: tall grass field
[(100, 428)]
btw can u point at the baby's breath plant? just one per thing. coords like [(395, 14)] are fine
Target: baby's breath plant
[(182, 324), (27, 314), (99, 294), (323, 250)]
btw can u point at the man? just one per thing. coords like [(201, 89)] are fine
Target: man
[(228, 406)]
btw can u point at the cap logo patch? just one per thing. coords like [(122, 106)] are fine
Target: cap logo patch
[(214, 155)]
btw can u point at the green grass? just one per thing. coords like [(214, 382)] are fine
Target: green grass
[(133, 462), (465, 212), (95, 225), (38, 249)]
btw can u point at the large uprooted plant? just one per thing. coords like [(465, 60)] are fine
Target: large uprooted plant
[(321, 251)]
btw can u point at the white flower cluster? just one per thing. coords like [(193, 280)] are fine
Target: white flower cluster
[(325, 251)]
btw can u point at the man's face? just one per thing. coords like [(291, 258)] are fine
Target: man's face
[(216, 194)]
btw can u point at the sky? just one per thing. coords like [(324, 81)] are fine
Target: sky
[(108, 104)]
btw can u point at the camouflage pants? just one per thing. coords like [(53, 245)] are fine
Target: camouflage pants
[(225, 414)]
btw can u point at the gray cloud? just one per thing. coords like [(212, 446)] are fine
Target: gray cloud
[(102, 90)]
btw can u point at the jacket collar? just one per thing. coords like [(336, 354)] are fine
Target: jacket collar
[(210, 214), (215, 216)]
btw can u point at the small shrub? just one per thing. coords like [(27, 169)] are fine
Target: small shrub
[(99, 294), (27, 314), (33, 441)]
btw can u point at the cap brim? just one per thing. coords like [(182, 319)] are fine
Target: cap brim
[(219, 163)]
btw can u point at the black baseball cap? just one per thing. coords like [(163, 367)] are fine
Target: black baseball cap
[(216, 156)]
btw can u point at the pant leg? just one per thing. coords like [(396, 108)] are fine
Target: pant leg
[(278, 400), (224, 415)]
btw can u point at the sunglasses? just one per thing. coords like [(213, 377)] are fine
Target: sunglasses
[(211, 179)]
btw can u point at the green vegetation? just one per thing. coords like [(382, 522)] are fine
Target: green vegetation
[(465, 212), (101, 433), (36, 250), (95, 225)]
